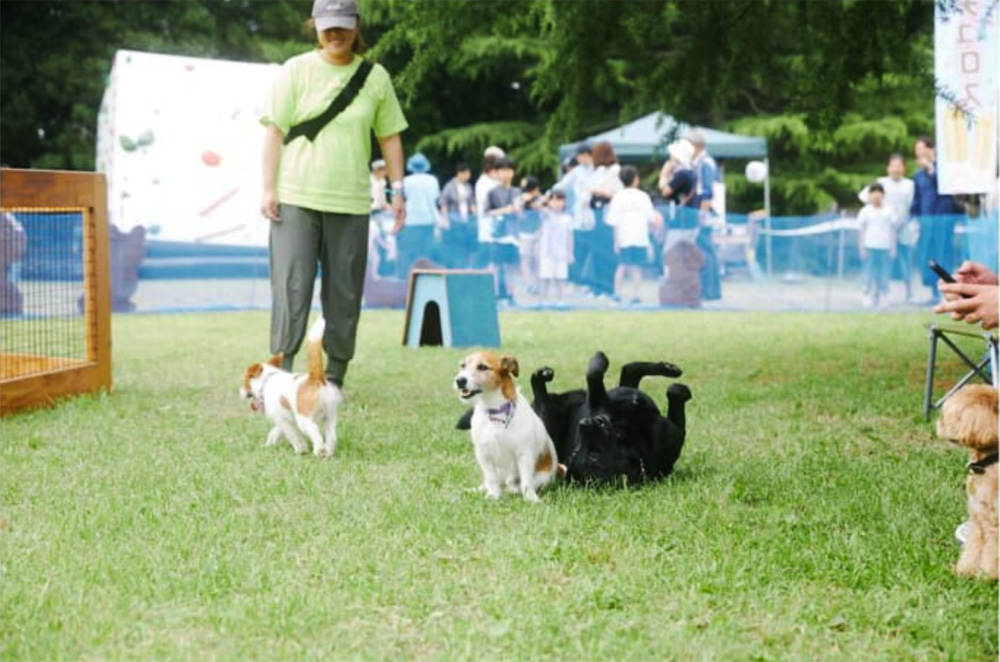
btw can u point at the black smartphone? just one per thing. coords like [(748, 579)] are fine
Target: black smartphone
[(945, 276), (940, 271)]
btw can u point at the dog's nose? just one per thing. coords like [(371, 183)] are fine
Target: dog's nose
[(460, 382)]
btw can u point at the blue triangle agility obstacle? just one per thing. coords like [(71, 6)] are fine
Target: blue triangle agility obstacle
[(451, 308)]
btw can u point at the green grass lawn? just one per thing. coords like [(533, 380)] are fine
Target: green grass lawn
[(811, 515)]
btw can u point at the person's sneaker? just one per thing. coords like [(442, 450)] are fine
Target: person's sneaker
[(962, 532)]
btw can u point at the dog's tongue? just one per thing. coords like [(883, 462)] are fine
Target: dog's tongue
[(253, 405)]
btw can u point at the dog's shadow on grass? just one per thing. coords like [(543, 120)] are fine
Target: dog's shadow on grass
[(680, 476)]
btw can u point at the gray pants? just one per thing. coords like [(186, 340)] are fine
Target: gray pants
[(339, 243)]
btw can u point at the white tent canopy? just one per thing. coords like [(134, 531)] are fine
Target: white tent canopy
[(643, 140)]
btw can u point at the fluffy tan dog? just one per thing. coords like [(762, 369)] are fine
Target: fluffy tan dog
[(969, 418)]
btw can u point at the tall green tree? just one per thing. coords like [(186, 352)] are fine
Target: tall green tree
[(833, 85)]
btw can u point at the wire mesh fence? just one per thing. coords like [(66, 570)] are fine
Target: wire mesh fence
[(804, 263), (43, 326), (807, 263)]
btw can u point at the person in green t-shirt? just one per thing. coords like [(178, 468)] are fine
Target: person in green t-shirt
[(317, 193)]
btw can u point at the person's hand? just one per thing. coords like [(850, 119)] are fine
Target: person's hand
[(269, 206), (399, 210), (969, 302), (975, 273), (863, 253), (926, 163)]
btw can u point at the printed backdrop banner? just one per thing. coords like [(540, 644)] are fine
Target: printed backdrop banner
[(180, 142), (965, 72)]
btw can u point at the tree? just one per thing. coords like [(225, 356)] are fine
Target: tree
[(832, 85)]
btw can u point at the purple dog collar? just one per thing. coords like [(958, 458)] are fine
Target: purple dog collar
[(503, 413)]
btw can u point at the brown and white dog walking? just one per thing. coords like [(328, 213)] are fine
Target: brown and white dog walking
[(512, 447), (296, 404)]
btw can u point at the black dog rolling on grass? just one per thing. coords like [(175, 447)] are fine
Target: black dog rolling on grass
[(612, 437)]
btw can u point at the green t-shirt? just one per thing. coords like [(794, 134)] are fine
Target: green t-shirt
[(330, 173)]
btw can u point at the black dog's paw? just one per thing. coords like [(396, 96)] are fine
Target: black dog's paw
[(669, 369), (465, 422), (545, 374), (598, 364), (678, 392)]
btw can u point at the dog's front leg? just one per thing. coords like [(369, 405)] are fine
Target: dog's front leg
[(969, 560), (988, 557), (491, 480), (491, 483), (273, 437)]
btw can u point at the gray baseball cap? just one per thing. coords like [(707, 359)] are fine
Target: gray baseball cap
[(335, 14)]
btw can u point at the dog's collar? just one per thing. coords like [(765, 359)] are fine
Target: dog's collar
[(980, 466), (257, 403), (503, 413)]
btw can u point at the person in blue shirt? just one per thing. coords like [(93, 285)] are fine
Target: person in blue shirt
[(707, 172), (937, 215), (422, 191), (572, 185)]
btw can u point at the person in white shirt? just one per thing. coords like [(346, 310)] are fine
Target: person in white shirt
[(484, 224), (555, 243), (899, 197), (631, 213), (877, 239)]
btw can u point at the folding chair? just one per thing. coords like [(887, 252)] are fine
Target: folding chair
[(985, 368)]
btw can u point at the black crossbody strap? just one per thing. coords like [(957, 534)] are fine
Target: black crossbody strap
[(311, 127)]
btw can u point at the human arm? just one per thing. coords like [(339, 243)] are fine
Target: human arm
[(894, 231), (862, 227), (392, 153), (665, 174), (273, 138), (446, 201), (706, 178)]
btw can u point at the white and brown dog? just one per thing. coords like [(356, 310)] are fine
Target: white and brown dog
[(969, 418), (296, 404), (512, 447)]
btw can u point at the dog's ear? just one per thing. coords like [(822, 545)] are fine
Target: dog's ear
[(276, 360), (969, 418), (508, 364)]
